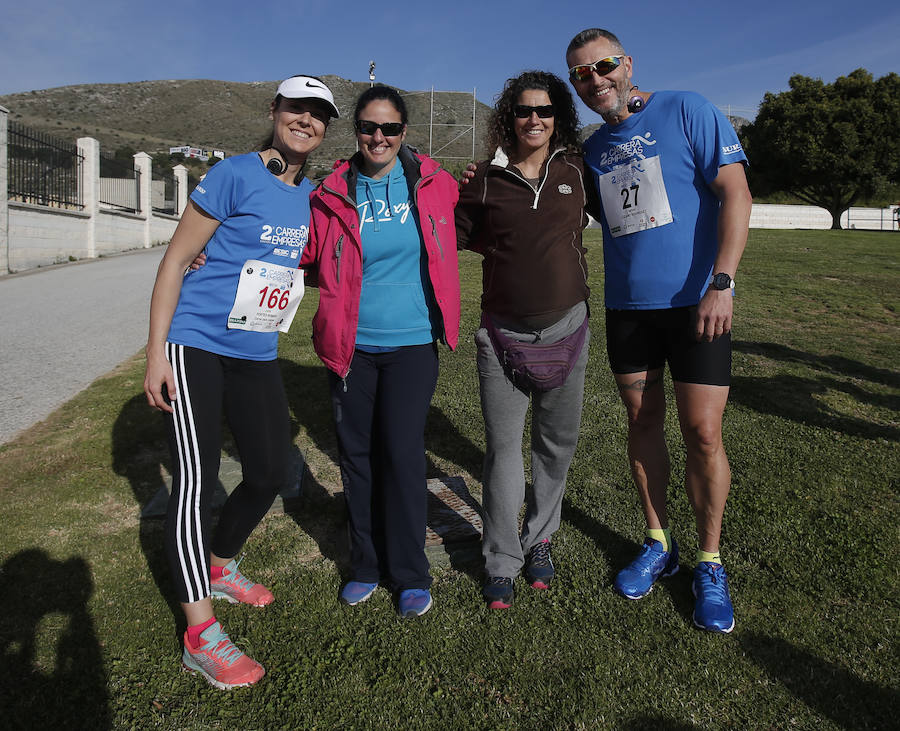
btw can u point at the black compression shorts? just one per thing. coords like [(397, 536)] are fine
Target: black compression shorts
[(643, 340)]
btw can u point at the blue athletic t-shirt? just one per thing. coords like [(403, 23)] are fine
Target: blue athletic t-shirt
[(394, 309), (261, 218), (660, 216)]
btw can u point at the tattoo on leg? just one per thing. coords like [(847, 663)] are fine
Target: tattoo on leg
[(641, 384)]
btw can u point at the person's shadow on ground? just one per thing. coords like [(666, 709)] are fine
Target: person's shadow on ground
[(140, 453), (320, 512), (836, 693), (799, 398), (42, 597)]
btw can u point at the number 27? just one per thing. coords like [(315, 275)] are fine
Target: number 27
[(627, 203)]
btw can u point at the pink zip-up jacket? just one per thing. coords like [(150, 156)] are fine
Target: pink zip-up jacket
[(333, 256)]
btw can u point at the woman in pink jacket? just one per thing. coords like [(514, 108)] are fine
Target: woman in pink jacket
[(383, 251)]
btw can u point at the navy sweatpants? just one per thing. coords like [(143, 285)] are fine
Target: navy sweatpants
[(379, 411)]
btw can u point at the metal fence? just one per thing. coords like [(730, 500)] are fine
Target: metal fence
[(163, 191), (120, 185), (872, 219), (42, 169)]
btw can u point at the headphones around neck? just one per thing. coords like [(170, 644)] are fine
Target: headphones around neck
[(276, 165), (636, 102)]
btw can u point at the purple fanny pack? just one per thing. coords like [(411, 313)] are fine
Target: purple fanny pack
[(537, 366)]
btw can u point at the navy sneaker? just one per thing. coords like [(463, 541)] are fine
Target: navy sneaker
[(652, 563), (413, 602), (538, 566), (713, 610), (356, 592), (498, 592)]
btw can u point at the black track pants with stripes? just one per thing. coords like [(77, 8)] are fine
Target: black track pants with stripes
[(255, 407)]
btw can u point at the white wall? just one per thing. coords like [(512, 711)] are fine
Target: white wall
[(33, 235), (41, 235), (772, 215)]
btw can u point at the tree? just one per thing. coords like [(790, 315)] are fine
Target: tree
[(161, 161), (827, 144), (125, 155)]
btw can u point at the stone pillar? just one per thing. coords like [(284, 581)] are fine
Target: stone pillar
[(4, 193), (89, 187), (181, 186), (143, 164)]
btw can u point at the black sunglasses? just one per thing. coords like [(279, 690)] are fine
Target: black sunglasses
[(388, 129), (523, 111)]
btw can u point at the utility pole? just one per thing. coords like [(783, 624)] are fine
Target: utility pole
[(474, 101)]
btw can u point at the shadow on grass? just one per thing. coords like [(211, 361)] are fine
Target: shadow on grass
[(72, 694), (310, 401), (139, 449), (443, 439), (322, 517), (794, 397), (619, 551), (447, 442), (657, 723), (318, 512), (830, 690)]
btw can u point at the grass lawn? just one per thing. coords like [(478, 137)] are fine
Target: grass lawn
[(90, 628)]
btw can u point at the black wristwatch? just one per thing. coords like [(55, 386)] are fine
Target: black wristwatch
[(721, 281)]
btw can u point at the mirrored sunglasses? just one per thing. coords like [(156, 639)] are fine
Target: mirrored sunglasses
[(584, 71), (523, 111), (388, 129)]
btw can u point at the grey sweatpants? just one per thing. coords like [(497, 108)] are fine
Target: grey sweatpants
[(555, 422)]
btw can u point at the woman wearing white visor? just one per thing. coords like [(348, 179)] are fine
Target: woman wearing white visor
[(212, 349)]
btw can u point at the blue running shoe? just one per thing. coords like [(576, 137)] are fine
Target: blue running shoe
[(356, 592), (713, 610), (413, 602), (498, 592), (652, 563), (539, 571)]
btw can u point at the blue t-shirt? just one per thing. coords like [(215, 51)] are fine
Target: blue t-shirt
[(261, 218), (394, 309), (659, 214)]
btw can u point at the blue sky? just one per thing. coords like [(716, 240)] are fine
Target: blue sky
[(730, 52)]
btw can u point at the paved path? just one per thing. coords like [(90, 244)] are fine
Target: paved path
[(63, 327)]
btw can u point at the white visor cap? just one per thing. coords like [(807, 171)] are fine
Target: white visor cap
[(308, 87)]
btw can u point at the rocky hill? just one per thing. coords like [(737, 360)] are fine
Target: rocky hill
[(154, 115)]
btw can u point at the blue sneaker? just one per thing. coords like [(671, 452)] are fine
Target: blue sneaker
[(356, 592), (498, 592), (539, 571), (652, 563), (713, 610), (413, 602)]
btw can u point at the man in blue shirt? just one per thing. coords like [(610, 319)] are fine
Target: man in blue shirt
[(675, 208)]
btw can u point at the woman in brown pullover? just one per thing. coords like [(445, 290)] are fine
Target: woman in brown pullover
[(524, 213)]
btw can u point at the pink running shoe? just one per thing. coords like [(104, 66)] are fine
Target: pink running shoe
[(235, 587), (219, 661)]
